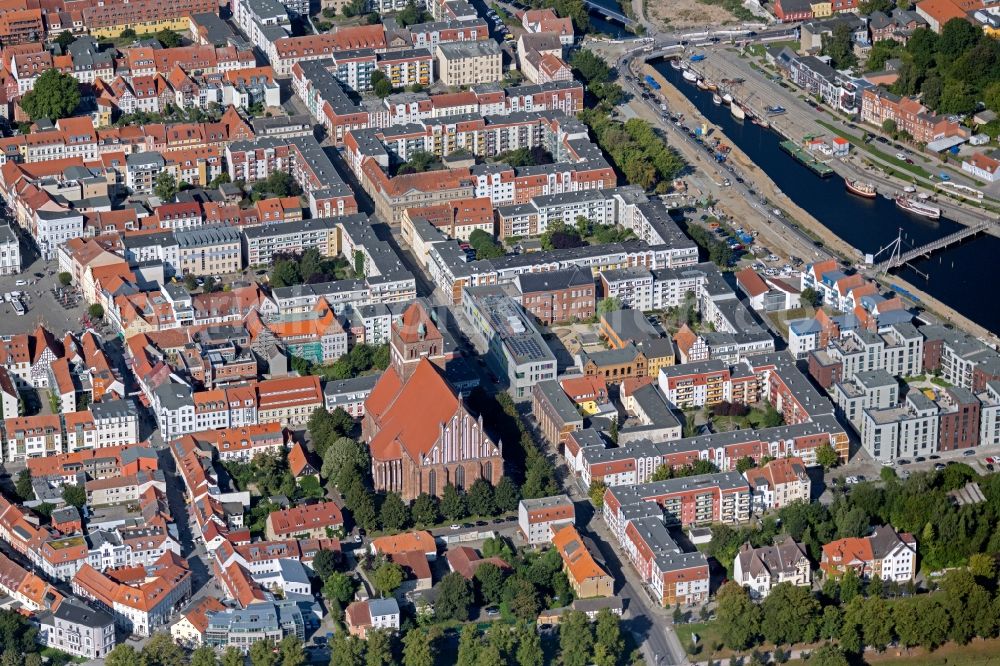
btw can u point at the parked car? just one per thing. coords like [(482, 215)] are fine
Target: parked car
[(938, 466), (968, 453)]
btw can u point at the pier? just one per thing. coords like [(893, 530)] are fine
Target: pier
[(898, 258), (807, 160)]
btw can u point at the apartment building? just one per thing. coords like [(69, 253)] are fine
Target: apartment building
[(10, 251), (469, 63), (77, 629), (760, 569), (557, 296), (903, 431), (539, 518), (958, 426), (960, 358), (886, 553), (779, 483), (516, 347), (209, 250), (672, 576), (585, 576), (879, 105), (870, 389), (707, 498), (989, 414), (555, 413), (696, 384), (312, 521)]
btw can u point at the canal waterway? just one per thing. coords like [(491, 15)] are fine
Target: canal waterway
[(958, 276), (600, 24)]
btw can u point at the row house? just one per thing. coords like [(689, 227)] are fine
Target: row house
[(879, 105), (141, 607)]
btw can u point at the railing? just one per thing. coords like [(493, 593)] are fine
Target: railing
[(927, 248)]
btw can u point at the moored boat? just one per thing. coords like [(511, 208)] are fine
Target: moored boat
[(675, 63), (911, 205), (716, 99), (737, 111), (690, 76), (861, 188), (727, 98), (701, 84)]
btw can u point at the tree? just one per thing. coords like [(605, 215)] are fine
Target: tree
[(480, 498), (165, 186), (827, 456), (743, 464), (738, 617), (23, 485), (291, 651), (346, 650), (506, 495), (262, 653), (425, 510), (339, 587), (839, 47), (123, 654), (74, 495), (127, 33), (453, 503), (608, 633), (324, 564), (596, 493), (381, 85), (810, 298), (394, 514), (609, 304), (379, 649), (889, 126), (982, 566), (203, 656), (418, 649), (468, 646), (489, 581), (590, 66), (828, 655), (54, 96), (161, 650), (232, 657), (65, 279), (387, 578), (168, 38), (521, 598), (342, 458), (866, 7), (788, 615), (96, 311), (576, 641), (454, 598), (65, 39), (529, 646)]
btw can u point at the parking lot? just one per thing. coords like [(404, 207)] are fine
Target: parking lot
[(39, 302)]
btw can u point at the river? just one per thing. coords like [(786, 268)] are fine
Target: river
[(612, 29), (956, 276)]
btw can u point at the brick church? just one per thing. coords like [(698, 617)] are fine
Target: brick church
[(419, 431)]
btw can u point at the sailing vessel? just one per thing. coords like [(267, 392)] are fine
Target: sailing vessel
[(911, 205), (861, 188)]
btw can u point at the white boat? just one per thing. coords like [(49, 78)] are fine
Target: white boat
[(737, 111), (701, 84), (675, 63), (909, 188), (690, 76), (727, 98), (716, 99), (911, 205)]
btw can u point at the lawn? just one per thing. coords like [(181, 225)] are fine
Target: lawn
[(870, 148), (976, 653)]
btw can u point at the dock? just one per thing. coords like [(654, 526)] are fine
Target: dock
[(807, 160)]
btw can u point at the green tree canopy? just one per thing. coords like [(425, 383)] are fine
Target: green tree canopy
[(54, 96)]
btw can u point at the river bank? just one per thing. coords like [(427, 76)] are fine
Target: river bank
[(770, 232)]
